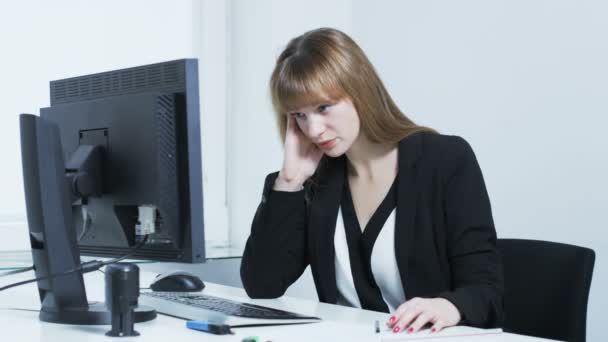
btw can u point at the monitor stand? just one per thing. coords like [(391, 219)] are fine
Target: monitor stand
[(94, 314), (53, 243)]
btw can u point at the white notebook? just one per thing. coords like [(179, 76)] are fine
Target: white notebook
[(330, 331), (458, 331)]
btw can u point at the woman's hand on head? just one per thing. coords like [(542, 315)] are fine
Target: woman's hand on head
[(417, 312), (301, 158)]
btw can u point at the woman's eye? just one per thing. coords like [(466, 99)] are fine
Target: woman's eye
[(323, 108)]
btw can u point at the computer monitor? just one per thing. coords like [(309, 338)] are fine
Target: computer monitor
[(145, 121), (116, 157)]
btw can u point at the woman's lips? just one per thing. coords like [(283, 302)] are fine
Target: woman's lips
[(326, 145)]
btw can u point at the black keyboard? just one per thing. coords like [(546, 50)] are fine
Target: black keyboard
[(225, 306)]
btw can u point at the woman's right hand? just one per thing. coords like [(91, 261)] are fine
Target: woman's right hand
[(301, 159)]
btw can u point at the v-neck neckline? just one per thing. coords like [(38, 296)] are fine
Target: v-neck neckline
[(380, 215), (361, 245)]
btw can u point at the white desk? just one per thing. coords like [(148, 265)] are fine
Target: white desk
[(339, 323)]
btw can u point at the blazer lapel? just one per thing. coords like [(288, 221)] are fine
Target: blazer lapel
[(408, 189), (322, 222)]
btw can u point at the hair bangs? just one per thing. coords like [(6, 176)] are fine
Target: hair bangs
[(300, 84)]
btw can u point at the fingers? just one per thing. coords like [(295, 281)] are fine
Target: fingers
[(421, 320), (290, 128), (401, 310), (294, 134), (438, 326), (301, 155), (406, 319), (290, 122), (414, 314)]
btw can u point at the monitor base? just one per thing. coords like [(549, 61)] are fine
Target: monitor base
[(94, 314)]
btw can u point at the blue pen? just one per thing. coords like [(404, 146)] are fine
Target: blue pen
[(210, 327)]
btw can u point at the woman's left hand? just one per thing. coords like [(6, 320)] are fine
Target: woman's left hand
[(416, 312)]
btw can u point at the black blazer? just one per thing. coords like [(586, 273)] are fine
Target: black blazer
[(445, 241)]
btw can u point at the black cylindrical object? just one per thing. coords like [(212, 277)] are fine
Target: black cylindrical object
[(122, 293)]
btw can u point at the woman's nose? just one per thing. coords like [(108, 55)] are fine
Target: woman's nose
[(316, 126)]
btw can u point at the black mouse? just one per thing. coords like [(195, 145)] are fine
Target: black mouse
[(177, 281)]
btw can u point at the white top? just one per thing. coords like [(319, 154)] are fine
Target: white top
[(383, 263)]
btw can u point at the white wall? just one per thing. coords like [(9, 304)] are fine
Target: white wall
[(211, 46), (49, 40), (525, 82)]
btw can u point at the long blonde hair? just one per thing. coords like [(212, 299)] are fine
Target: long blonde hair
[(326, 64)]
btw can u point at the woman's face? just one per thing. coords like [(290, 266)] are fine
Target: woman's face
[(332, 126)]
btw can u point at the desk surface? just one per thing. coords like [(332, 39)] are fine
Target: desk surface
[(339, 323)]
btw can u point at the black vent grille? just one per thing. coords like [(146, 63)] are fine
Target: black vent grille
[(166, 136), (162, 76)]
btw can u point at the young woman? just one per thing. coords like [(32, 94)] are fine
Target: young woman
[(391, 216)]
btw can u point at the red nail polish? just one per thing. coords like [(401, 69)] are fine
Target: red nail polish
[(396, 329), (392, 319), (410, 330), (433, 330)]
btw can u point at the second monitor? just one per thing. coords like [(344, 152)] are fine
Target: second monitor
[(136, 133)]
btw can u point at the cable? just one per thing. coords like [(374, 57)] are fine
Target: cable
[(20, 270), (42, 278), (131, 252), (20, 309), (85, 267), (86, 220)]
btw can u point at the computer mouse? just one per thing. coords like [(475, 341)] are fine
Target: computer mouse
[(177, 281)]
